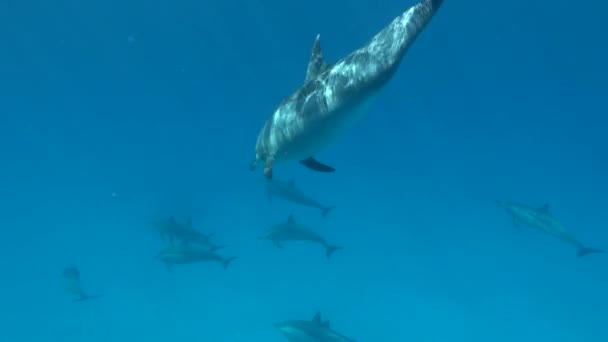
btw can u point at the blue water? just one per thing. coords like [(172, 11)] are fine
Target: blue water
[(115, 113)]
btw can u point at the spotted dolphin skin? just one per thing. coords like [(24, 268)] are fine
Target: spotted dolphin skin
[(335, 95), (314, 330), (542, 219)]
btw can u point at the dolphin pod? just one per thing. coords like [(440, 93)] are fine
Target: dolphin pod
[(331, 97)]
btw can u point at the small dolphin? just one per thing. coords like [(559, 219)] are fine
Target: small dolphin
[(71, 282), (288, 191), (185, 233), (291, 231), (334, 96), (181, 254), (310, 331), (542, 219)]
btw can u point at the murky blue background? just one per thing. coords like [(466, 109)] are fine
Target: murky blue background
[(114, 113)]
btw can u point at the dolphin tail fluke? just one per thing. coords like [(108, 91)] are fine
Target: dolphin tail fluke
[(326, 210), (586, 251), (227, 262), (330, 250)]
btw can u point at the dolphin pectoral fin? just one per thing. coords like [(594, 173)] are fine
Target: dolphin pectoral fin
[(226, 262), (268, 167), (329, 250), (313, 164), (277, 244), (169, 267), (326, 210)]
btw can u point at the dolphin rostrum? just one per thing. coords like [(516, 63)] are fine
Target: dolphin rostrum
[(310, 331), (292, 231), (335, 95), (290, 192), (542, 219)]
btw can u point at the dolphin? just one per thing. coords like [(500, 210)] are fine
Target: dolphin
[(290, 192), (291, 231), (310, 331), (185, 233), (71, 282), (181, 254), (542, 219), (333, 96)]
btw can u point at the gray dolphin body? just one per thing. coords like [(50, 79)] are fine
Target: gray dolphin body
[(185, 233), (72, 284), (181, 254), (310, 331), (336, 95), (291, 231), (542, 219), (290, 192)]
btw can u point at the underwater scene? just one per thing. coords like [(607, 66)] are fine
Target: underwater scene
[(303, 171)]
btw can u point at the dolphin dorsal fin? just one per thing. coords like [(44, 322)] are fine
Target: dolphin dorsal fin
[(316, 64), (317, 318), (291, 220), (545, 209)]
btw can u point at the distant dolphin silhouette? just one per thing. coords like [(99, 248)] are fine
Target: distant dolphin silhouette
[(71, 278), (541, 218), (290, 192)]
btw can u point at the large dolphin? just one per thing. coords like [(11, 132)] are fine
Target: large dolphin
[(292, 231), (290, 192), (310, 331), (334, 95), (542, 219)]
